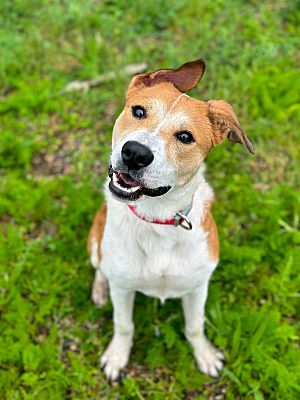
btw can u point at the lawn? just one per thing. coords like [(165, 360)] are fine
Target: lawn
[(54, 149)]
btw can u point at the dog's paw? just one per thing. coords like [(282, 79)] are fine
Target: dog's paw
[(209, 359), (114, 359), (99, 293)]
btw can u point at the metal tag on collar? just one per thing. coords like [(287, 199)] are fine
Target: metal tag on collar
[(185, 224)]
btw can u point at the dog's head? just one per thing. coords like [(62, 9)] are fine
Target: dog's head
[(162, 135)]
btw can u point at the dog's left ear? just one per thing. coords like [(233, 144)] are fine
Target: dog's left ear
[(184, 78), (225, 124)]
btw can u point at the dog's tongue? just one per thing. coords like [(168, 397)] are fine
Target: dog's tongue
[(128, 180)]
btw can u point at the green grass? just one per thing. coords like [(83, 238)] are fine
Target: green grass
[(54, 148)]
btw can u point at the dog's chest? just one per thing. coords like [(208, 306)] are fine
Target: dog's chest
[(163, 262)]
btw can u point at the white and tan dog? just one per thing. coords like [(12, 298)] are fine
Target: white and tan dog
[(156, 187)]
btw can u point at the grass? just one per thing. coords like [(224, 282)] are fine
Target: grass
[(54, 148)]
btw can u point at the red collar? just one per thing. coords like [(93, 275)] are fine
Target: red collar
[(180, 218)]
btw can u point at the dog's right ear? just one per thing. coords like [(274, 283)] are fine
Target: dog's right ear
[(184, 78)]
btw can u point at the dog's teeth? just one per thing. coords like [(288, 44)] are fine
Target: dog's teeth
[(115, 179), (128, 190), (134, 189), (123, 188), (118, 185)]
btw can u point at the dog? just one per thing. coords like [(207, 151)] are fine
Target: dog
[(155, 234)]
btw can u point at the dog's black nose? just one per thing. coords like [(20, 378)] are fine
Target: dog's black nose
[(136, 155)]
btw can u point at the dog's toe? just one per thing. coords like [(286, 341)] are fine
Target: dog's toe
[(114, 359), (111, 373), (209, 364), (209, 359)]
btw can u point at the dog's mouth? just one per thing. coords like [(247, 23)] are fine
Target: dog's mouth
[(126, 188)]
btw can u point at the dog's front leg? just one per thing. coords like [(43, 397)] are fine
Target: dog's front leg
[(117, 353), (208, 358)]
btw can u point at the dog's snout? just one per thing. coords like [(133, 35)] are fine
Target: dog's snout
[(136, 155)]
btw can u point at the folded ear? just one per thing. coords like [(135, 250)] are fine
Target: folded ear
[(184, 78), (225, 124)]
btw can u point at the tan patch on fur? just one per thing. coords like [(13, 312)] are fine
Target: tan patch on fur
[(208, 225), (97, 229), (187, 157), (157, 101)]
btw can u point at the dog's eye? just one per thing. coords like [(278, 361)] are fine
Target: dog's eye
[(185, 137), (138, 112)]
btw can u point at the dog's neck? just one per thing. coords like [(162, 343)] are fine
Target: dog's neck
[(177, 199)]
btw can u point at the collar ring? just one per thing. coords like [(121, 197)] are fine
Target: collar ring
[(183, 221)]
